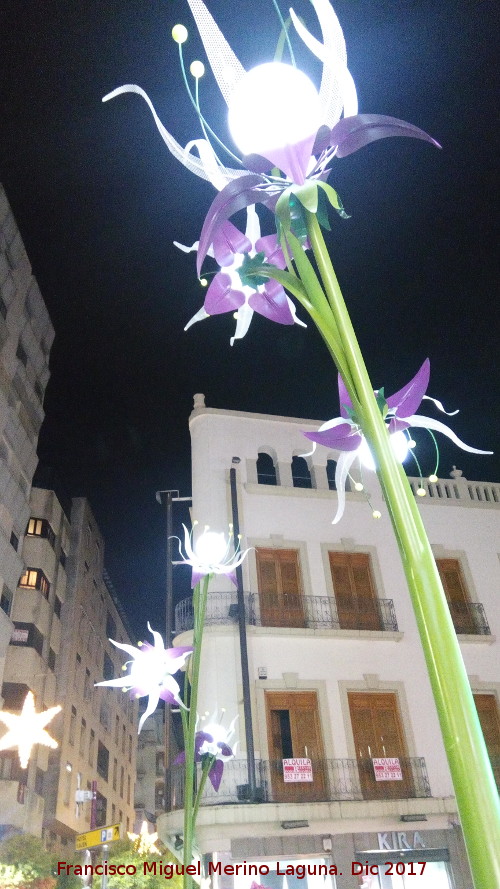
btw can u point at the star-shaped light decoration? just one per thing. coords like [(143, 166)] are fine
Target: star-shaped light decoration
[(27, 729), (144, 842), (152, 671)]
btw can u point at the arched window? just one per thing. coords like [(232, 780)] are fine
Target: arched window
[(300, 473), (331, 466), (266, 470)]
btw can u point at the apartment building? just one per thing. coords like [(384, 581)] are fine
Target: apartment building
[(63, 611), (26, 337), (97, 729), (348, 763), (150, 786)]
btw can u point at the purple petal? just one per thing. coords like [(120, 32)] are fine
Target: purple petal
[(270, 247), (174, 653), (272, 303), (227, 241), (352, 133), (221, 297), (225, 749), (342, 437), (215, 774), (196, 576), (397, 425), (180, 759), (256, 163), (237, 195), (167, 696), (406, 400), (199, 740), (293, 159), (344, 399)]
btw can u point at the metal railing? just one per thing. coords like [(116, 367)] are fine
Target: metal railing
[(290, 610), (333, 780), (470, 618)]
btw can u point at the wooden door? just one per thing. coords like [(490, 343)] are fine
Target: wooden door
[(294, 730), (377, 731), (456, 595), (487, 710), (357, 603), (280, 588)]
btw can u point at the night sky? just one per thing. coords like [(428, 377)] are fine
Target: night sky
[(99, 201)]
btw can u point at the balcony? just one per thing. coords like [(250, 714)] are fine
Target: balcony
[(469, 618), (308, 612), (334, 780)]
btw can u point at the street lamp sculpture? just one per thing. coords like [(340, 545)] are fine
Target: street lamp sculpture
[(289, 134), (151, 671)]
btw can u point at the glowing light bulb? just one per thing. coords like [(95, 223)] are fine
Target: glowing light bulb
[(421, 492), (433, 478), (358, 486), (412, 443), (258, 124), (203, 282), (197, 69), (376, 514), (210, 548), (399, 444), (179, 33)]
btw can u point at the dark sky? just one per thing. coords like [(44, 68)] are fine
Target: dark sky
[(99, 200)]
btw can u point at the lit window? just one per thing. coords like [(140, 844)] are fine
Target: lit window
[(41, 528), (34, 579)]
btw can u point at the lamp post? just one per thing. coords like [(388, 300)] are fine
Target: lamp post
[(289, 135), (167, 499)]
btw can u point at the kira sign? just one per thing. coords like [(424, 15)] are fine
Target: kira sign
[(297, 769), (387, 768), (97, 837)]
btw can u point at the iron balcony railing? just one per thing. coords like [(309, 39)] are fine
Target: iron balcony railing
[(470, 618), (290, 610), (333, 780)]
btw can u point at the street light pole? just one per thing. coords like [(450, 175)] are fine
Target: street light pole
[(167, 499), (245, 678)]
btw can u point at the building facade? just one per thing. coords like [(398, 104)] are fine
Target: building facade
[(26, 337), (350, 769), (64, 610)]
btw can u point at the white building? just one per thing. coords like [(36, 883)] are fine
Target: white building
[(26, 337), (336, 669)]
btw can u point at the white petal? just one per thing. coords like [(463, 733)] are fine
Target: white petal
[(439, 406), (291, 306), (244, 316), (211, 165), (225, 66), (252, 230), (344, 464), (186, 249), (191, 163), (153, 699), (437, 426), (200, 315)]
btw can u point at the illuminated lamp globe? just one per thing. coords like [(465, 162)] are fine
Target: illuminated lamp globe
[(272, 107), (399, 444), (210, 548)]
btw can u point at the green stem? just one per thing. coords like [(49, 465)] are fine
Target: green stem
[(473, 781), (192, 680)]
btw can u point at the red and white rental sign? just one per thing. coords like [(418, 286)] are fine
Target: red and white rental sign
[(387, 768), (297, 769)]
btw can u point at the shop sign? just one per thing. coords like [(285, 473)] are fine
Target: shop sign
[(297, 769), (393, 840), (387, 768)]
